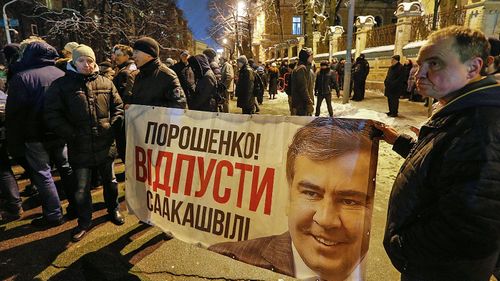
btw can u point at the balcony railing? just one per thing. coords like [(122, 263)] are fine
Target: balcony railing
[(422, 26), (381, 36)]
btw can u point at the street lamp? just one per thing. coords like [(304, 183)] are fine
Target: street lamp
[(240, 11), (241, 8), (6, 21), (224, 41)]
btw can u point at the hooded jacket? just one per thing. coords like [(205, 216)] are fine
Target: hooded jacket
[(206, 84), (85, 110), (26, 94), (443, 221), (244, 87), (157, 85)]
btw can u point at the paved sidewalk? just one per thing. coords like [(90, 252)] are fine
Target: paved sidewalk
[(136, 251)]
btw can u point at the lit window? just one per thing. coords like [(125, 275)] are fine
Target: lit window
[(297, 25)]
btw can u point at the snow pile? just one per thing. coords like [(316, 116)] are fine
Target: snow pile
[(349, 111)]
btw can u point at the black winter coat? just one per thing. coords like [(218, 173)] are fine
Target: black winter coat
[(26, 95), (157, 85), (361, 69), (186, 78), (394, 81), (301, 85), (85, 111), (324, 83), (244, 87), (124, 79), (443, 220), (206, 85)]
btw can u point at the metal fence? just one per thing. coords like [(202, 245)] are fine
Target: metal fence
[(422, 26), (341, 42), (381, 36)]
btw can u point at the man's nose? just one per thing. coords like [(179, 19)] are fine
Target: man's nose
[(327, 215)]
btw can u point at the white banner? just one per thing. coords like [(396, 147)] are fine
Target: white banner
[(209, 178)]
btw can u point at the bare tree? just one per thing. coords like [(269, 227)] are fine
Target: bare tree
[(236, 27), (103, 23)]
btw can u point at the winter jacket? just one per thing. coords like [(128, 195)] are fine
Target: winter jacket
[(157, 85), (124, 79), (186, 78), (258, 85), (26, 95), (227, 76), (244, 87), (85, 110), (443, 220), (206, 84), (361, 69), (394, 81), (324, 83), (215, 69), (273, 80), (301, 88)]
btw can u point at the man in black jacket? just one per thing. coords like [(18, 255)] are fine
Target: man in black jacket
[(443, 221), (394, 85), (156, 84), (244, 86), (323, 88), (123, 81), (84, 107), (360, 71), (186, 76)]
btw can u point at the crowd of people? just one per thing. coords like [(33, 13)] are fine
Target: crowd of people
[(67, 110)]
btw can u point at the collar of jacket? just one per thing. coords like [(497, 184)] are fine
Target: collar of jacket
[(485, 92), (150, 66), (125, 64), (72, 72)]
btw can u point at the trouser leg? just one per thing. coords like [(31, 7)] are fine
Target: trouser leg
[(39, 160), (83, 198)]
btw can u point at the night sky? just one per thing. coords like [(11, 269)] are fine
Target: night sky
[(196, 13)]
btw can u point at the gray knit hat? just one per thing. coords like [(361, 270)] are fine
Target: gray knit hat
[(210, 53), (243, 59), (70, 46), (82, 50)]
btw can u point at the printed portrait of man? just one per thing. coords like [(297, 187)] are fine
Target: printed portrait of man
[(330, 170)]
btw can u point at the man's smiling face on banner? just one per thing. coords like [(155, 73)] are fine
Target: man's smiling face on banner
[(329, 212)]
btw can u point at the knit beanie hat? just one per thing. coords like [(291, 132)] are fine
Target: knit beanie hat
[(243, 59), (304, 54), (70, 46), (210, 53), (396, 57), (148, 45), (82, 50)]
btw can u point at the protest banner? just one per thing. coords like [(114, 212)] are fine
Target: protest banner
[(240, 186)]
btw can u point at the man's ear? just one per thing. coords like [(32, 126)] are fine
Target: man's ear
[(474, 67)]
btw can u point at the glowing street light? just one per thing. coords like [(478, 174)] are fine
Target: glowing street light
[(224, 41), (241, 8)]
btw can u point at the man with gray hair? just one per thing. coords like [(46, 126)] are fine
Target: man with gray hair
[(443, 221)]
